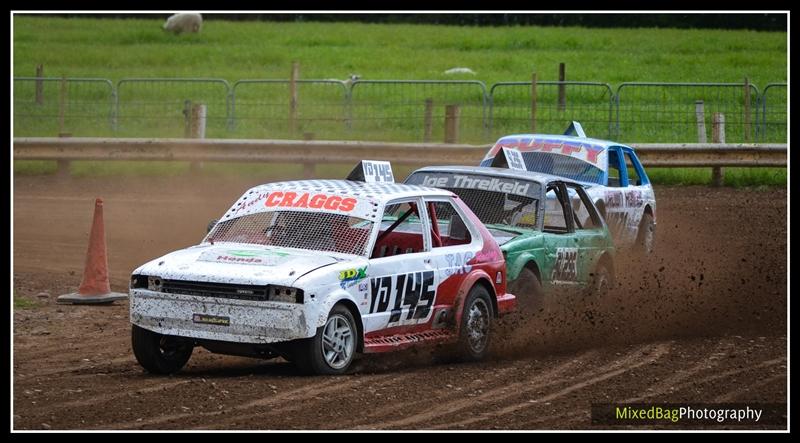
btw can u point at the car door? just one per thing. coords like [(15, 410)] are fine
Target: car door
[(589, 232), (403, 281), (637, 193), (454, 243), (614, 198), (559, 270)]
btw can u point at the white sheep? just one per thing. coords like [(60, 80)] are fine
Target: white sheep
[(183, 22), (459, 71)]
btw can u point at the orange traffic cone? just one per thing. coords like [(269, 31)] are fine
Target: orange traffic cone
[(94, 287)]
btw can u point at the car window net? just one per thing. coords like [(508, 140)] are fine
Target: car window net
[(562, 166), (498, 208)]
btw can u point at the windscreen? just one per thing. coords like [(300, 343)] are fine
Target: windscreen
[(314, 231)]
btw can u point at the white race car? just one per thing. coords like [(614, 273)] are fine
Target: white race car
[(318, 270), (610, 172)]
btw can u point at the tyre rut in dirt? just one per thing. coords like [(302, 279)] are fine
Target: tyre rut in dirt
[(528, 289), (331, 350), (476, 322), (158, 353)]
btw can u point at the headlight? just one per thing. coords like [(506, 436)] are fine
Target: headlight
[(138, 281), (285, 294)]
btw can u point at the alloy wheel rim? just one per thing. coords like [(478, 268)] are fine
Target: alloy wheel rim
[(338, 341), (478, 325)]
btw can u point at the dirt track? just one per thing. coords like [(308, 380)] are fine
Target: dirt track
[(705, 322)]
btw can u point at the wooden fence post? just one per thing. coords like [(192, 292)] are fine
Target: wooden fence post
[(700, 114), (533, 103), (718, 136), (197, 129), (451, 117), (562, 89), (39, 84), (293, 98), (426, 137), (187, 119)]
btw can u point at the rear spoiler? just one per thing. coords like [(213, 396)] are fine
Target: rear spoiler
[(372, 171)]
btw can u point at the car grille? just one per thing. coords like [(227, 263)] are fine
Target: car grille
[(220, 290)]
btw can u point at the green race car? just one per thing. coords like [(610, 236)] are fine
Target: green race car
[(551, 234)]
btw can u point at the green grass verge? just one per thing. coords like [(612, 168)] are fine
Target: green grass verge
[(24, 303), (736, 177), (117, 48)]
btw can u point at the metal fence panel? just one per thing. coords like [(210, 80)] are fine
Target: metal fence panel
[(774, 117), (159, 107), (74, 106), (262, 109), (395, 110), (588, 102), (661, 112)]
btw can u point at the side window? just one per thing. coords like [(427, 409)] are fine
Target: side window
[(555, 219), (614, 174), (400, 231), (633, 174), (447, 226), (582, 210)]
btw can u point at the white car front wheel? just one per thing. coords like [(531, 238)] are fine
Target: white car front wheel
[(332, 349)]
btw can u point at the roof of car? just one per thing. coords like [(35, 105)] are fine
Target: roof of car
[(604, 144), (381, 192), (498, 172)]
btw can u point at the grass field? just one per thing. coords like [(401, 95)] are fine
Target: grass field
[(115, 48)]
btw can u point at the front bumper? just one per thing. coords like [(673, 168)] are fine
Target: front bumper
[(247, 321)]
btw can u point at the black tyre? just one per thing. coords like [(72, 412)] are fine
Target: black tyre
[(476, 322), (158, 353), (528, 290), (645, 241), (601, 281), (332, 349)]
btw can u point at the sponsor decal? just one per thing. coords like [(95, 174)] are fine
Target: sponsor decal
[(457, 263), (613, 199), (289, 199), (491, 256), (349, 277), (494, 184), (587, 152), (244, 256), (255, 253), (633, 198), (565, 268), (211, 319), (414, 291), (251, 203)]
